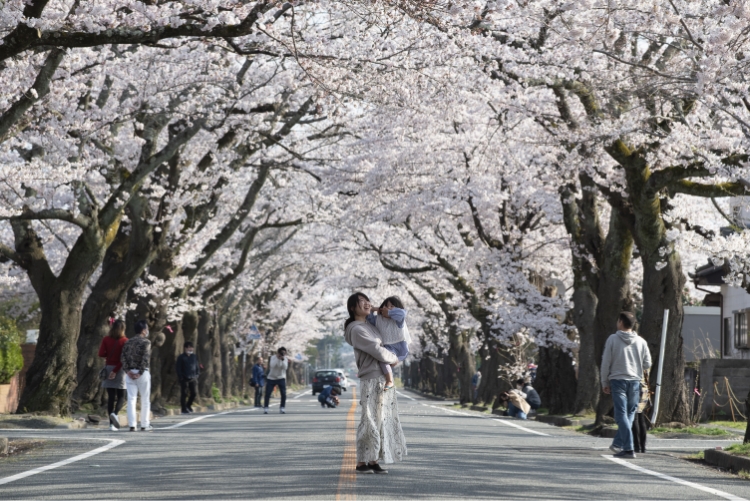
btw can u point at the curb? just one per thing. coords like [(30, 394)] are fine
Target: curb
[(75, 425), (725, 460), (427, 396), (558, 420)]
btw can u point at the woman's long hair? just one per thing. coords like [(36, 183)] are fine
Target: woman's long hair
[(351, 306), (117, 330)]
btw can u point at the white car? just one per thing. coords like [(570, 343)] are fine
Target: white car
[(344, 381)]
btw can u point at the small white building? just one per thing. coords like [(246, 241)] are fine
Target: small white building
[(734, 310)]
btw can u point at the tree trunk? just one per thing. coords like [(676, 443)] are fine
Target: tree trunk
[(125, 260), (662, 290), (556, 381), (205, 351), (461, 356), (52, 376), (587, 385)]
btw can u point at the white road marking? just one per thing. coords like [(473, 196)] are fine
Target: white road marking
[(405, 396), (189, 421), (514, 425), (699, 487), (501, 421), (295, 398), (112, 444)]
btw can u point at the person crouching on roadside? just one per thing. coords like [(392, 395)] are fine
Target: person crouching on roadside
[(329, 397)]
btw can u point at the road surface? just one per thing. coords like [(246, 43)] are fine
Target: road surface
[(308, 454)]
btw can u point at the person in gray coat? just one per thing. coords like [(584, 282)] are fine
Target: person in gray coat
[(625, 358)]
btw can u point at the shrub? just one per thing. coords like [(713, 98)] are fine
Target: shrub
[(216, 393), (11, 360)]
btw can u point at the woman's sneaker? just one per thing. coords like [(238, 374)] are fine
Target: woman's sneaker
[(147, 428), (615, 449), (112, 428), (364, 469), (114, 420), (377, 469)]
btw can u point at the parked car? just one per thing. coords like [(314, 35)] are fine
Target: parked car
[(344, 379), (325, 377)]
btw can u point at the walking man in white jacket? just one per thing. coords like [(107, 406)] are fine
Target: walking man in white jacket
[(625, 358), (277, 377)]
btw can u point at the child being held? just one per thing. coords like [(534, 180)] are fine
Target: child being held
[(391, 324)]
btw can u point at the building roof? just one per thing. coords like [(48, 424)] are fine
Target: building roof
[(709, 274)]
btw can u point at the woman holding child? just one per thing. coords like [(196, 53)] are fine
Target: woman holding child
[(379, 435)]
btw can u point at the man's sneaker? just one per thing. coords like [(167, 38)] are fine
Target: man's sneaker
[(625, 455), (185, 411), (112, 428), (114, 420), (190, 409), (377, 469), (615, 449), (365, 468), (265, 410), (282, 411), (132, 428), (147, 428)]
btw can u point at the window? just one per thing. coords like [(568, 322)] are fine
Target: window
[(740, 330), (727, 337)]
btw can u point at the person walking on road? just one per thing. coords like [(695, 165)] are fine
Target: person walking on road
[(277, 377), (258, 380), (136, 354), (476, 380), (379, 434), (114, 381), (188, 370), (624, 361)]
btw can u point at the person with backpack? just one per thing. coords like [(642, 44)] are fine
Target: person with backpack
[(188, 370), (258, 380)]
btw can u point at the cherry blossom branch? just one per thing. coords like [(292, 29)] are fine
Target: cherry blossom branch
[(38, 91)]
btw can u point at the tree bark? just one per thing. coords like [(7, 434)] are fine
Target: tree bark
[(127, 257), (556, 380)]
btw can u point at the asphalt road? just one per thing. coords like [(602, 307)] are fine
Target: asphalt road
[(452, 455)]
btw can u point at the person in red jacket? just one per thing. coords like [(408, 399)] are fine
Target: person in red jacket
[(111, 349)]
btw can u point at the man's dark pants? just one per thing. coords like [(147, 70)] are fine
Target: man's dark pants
[(281, 383), (188, 386), (258, 394)]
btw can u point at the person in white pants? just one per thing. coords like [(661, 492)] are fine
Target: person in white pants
[(136, 354)]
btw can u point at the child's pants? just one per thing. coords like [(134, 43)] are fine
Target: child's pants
[(640, 432), (387, 370)]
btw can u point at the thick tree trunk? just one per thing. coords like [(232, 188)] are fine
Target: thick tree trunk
[(587, 385), (461, 356), (205, 350), (556, 380), (52, 376), (662, 290), (125, 260)]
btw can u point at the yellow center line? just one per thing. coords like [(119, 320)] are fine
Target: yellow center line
[(348, 475)]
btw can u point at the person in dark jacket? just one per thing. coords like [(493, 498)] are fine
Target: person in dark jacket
[(532, 397), (188, 369), (258, 380), (329, 397)]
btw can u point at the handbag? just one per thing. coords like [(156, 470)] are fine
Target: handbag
[(253, 384), (104, 373), (519, 402)]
